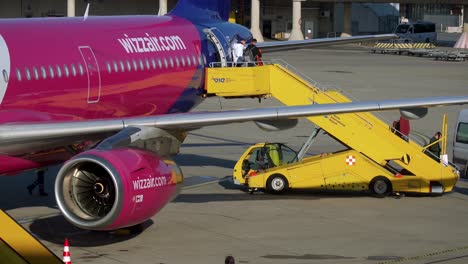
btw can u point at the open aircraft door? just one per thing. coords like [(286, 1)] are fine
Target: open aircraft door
[(221, 44)]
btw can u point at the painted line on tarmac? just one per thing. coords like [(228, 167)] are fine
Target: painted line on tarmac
[(23, 221), (432, 254), (205, 183)]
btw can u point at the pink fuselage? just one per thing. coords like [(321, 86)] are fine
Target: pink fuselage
[(63, 69)]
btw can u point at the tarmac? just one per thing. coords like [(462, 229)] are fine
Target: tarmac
[(213, 218)]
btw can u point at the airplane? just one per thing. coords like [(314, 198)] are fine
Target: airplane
[(110, 97)]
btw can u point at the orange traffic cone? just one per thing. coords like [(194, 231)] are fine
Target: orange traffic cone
[(66, 253)]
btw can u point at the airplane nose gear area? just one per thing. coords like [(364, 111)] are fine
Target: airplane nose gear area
[(4, 68), (105, 190)]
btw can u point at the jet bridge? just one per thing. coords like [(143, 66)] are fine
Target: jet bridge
[(374, 139)]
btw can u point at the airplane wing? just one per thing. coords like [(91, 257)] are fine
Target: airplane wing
[(309, 43), (17, 139)]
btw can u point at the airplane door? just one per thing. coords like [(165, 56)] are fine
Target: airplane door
[(4, 68), (221, 43), (94, 76)]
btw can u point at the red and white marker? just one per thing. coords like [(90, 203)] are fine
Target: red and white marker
[(66, 253), (350, 160)]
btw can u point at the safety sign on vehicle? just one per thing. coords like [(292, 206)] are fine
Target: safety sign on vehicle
[(350, 160)]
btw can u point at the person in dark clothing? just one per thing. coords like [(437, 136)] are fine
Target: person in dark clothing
[(38, 182), (229, 260), (435, 149), (396, 127), (254, 53)]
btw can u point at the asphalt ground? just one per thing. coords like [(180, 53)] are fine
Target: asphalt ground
[(213, 218)]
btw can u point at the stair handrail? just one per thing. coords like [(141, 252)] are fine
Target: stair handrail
[(302, 75)]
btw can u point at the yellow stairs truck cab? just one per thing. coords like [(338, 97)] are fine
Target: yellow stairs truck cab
[(382, 157)]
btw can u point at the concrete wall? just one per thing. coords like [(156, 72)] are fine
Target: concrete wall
[(278, 14)]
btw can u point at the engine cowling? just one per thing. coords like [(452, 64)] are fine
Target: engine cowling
[(110, 189)]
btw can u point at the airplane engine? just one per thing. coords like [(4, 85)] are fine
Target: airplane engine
[(414, 112), (110, 189)]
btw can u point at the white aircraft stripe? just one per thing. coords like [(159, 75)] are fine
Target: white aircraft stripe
[(5, 72)]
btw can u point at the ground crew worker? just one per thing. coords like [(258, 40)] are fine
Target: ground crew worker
[(254, 53), (435, 149), (38, 182)]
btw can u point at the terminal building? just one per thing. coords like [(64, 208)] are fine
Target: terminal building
[(275, 19)]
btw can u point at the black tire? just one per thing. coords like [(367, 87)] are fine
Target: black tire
[(380, 186), (277, 184)]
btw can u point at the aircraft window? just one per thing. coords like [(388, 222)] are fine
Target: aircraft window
[(18, 74), (177, 62), (122, 66), (36, 73), (80, 67), (67, 72), (109, 69), (51, 72), (44, 73), (142, 66), (189, 62), (200, 60), (147, 64), (129, 67), (153, 63), (159, 63), (73, 70), (59, 72), (135, 66), (165, 63), (171, 61), (116, 67), (28, 74), (194, 60), (182, 59)]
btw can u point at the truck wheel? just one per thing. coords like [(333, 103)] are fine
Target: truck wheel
[(277, 183), (380, 186)]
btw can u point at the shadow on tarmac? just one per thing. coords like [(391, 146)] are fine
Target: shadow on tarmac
[(55, 229), (243, 195), (13, 189)]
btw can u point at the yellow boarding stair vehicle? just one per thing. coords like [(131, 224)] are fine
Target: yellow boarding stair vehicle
[(18, 246), (378, 158)]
